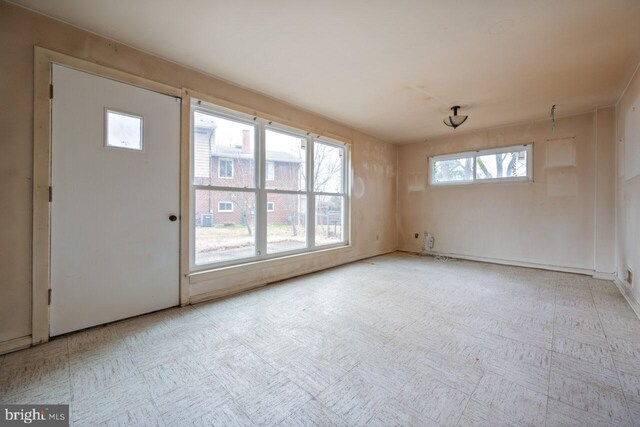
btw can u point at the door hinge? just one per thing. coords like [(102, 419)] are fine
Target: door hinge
[(50, 91), (50, 194), (49, 298)]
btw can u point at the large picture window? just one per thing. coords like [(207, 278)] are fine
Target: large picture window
[(500, 164), (244, 167)]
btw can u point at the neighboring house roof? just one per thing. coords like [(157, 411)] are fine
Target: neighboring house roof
[(201, 149), (236, 153)]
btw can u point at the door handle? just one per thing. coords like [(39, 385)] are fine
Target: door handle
[(173, 218)]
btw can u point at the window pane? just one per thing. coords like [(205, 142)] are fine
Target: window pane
[(328, 168), (453, 170), (124, 130), (285, 161), (329, 220), (286, 222), (225, 226), (223, 151), (502, 165), (271, 171)]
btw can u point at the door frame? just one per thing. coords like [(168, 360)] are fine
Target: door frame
[(41, 249)]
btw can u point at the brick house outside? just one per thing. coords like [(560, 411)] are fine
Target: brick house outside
[(233, 166)]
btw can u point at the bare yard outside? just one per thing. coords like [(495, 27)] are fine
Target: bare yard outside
[(214, 239)]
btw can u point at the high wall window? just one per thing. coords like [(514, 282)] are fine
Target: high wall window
[(244, 167), (500, 164)]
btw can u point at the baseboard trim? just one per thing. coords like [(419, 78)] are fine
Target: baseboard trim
[(227, 292), (625, 291), (511, 262), (604, 276), (15, 344)]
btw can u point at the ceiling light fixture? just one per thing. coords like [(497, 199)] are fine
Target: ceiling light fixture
[(455, 120)]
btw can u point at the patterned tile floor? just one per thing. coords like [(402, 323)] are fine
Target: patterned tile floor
[(394, 340)]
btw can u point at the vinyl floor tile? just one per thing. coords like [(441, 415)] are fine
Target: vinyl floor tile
[(393, 340)]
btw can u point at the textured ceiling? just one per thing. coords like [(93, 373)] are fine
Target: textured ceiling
[(390, 68)]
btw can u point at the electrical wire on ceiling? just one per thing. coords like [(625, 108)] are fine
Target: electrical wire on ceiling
[(553, 119)]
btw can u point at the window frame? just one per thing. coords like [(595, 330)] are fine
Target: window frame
[(225, 210), (342, 192), (480, 153), (261, 191), (225, 159), (108, 110)]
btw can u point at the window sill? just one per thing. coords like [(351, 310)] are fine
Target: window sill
[(194, 276), (483, 182)]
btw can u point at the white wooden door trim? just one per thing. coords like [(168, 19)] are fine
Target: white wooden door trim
[(41, 251)]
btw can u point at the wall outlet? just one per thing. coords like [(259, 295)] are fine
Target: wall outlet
[(431, 241)]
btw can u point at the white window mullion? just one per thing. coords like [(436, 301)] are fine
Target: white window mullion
[(346, 226), (261, 199), (475, 167), (529, 149), (311, 199), (192, 191)]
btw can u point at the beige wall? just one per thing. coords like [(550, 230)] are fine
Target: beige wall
[(374, 162), (628, 187), (555, 220)]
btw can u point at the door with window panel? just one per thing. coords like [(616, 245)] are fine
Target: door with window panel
[(115, 201)]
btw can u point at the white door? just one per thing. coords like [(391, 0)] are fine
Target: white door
[(115, 201)]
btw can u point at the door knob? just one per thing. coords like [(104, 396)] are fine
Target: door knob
[(173, 218)]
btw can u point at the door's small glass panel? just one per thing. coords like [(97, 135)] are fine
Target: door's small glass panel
[(224, 226), (453, 170), (512, 164), (329, 220), (223, 151), (286, 160), (286, 222), (124, 130), (328, 168)]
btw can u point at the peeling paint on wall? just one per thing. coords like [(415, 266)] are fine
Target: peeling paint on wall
[(562, 183), (561, 152), (417, 182), (358, 187)]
